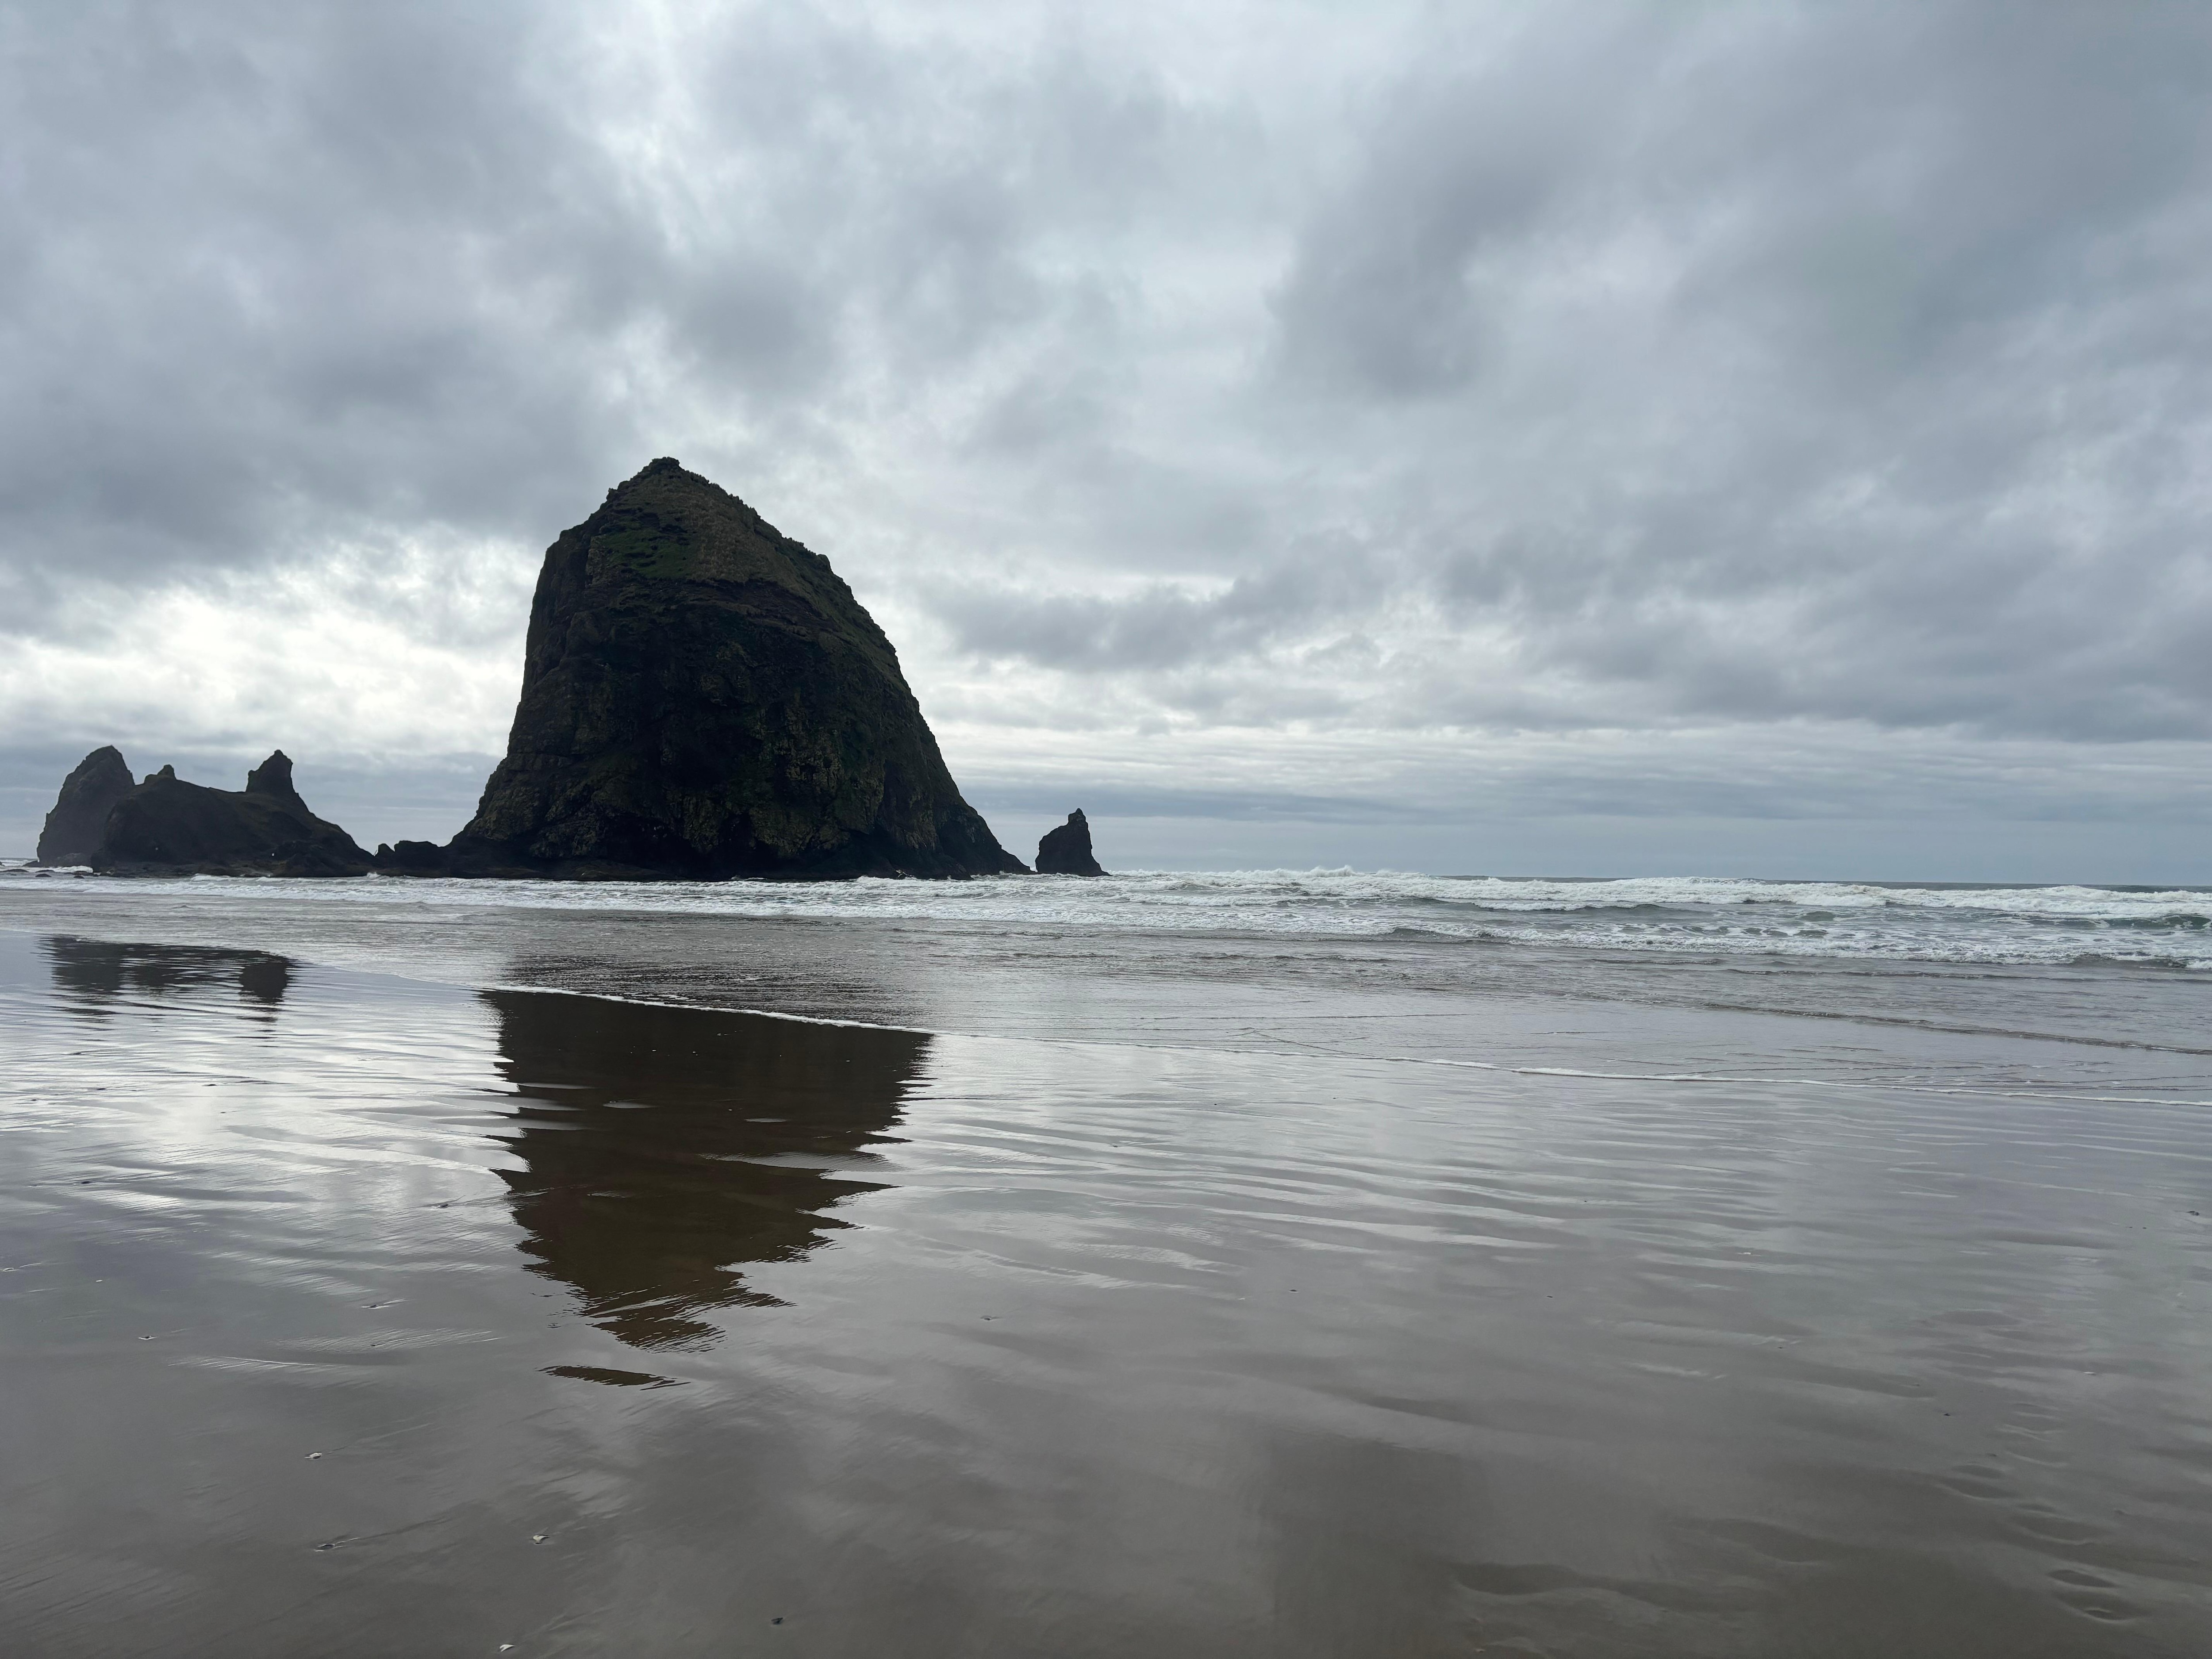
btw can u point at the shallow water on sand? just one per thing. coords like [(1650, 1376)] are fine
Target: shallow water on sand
[(2097, 1027), (347, 1314)]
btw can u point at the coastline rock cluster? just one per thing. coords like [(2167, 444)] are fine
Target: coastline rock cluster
[(165, 826), (702, 697)]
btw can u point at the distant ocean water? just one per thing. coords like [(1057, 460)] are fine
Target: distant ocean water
[(1933, 922)]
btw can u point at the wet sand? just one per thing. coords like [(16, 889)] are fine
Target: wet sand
[(346, 1313), (2098, 1028)]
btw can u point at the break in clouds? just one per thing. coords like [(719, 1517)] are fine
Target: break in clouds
[(1754, 412)]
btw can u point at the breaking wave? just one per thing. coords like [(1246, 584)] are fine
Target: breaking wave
[(1709, 915)]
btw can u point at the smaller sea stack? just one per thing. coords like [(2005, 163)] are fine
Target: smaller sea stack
[(88, 794), (1066, 851), (168, 827)]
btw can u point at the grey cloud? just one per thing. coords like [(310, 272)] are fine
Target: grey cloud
[(256, 302), (1744, 364), (1581, 367), (1898, 409), (281, 272), (1160, 626), (1385, 295)]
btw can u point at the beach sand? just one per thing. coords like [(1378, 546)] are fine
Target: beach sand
[(348, 1312)]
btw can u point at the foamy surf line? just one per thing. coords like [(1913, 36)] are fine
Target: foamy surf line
[(2060, 927)]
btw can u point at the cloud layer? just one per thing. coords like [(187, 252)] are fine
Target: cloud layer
[(1200, 395)]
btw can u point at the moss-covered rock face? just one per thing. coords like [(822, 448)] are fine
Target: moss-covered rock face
[(702, 696)]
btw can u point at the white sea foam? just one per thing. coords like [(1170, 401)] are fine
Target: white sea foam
[(2170, 928)]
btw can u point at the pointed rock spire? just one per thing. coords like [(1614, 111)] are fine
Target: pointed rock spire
[(1066, 851), (273, 777), (72, 829)]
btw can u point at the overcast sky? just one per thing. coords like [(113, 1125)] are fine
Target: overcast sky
[(1596, 437)]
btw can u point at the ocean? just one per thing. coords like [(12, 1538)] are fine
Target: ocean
[(1278, 1262)]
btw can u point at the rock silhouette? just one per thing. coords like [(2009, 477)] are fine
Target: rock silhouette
[(416, 857), (168, 826), (72, 831), (703, 698), (662, 1151), (1066, 851), (95, 973)]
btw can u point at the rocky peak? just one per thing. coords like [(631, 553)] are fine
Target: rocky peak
[(702, 696), (273, 777), (1066, 851), (72, 831)]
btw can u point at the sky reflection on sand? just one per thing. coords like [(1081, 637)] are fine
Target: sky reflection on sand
[(954, 1344)]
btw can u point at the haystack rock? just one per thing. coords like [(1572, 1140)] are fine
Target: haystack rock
[(167, 825), (71, 835), (702, 697), (1066, 851)]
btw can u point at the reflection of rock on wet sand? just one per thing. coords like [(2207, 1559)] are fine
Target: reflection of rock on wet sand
[(96, 972), (638, 1132)]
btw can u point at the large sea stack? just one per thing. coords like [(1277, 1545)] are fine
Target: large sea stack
[(72, 831), (702, 697), (165, 826)]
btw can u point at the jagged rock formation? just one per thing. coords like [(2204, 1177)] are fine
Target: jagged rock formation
[(167, 826), (1066, 851), (71, 835), (701, 697), (422, 858)]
